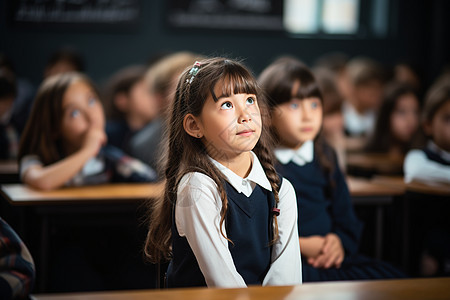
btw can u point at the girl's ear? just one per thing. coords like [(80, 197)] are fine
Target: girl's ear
[(191, 126), (121, 102)]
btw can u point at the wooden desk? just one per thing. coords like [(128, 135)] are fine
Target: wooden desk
[(397, 182), (374, 163), (20, 194), (108, 198), (408, 289)]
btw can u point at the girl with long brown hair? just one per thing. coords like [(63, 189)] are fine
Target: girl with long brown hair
[(226, 218), (329, 231), (64, 142)]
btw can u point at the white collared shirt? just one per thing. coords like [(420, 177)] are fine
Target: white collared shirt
[(418, 167), (356, 123), (301, 156), (197, 217)]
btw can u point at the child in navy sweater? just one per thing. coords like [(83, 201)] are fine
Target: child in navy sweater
[(329, 231)]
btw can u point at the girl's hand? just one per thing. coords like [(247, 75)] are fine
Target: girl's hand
[(332, 253), (311, 246), (95, 138)]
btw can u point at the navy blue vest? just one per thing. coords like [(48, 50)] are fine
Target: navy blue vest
[(248, 225), (435, 157)]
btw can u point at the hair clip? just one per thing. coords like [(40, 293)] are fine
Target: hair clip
[(193, 71), (276, 211)]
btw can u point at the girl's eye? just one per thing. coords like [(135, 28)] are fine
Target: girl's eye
[(294, 105), (250, 100), (74, 113), (227, 105), (92, 101), (314, 104)]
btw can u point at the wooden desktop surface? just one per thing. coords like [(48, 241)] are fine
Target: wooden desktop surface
[(381, 163), (360, 187), (408, 289), (20, 194), (415, 186)]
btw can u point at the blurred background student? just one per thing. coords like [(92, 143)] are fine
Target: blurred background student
[(430, 244), (161, 80), (129, 106), (9, 128), (366, 84), (432, 163), (63, 60), (333, 120), (64, 142), (396, 126)]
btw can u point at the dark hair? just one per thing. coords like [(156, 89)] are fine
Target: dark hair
[(332, 99), (436, 97), (362, 70), (67, 54), (277, 81), (382, 138), (188, 154), (41, 135), (121, 82), (8, 87)]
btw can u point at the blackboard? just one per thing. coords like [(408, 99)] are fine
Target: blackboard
[(74, 12), (226, 14)]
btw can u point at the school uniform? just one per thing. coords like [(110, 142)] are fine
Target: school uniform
[(110, 165), (119, 134), (430, 164), (356, 124), (428, 213), (203, 257), (324, 207)]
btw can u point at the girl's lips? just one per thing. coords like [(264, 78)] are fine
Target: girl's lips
[(245, 132), (306, 129)]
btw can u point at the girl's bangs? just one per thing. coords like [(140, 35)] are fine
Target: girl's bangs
[(236, 82), (308, 90)]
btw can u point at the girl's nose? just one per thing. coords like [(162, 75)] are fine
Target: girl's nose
[(244, 116)]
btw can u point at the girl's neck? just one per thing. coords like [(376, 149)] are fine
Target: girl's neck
[(240, 164)]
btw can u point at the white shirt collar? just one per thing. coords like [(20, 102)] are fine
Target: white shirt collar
[(442, 153), (301, 156), (355, 122), (246, 185)]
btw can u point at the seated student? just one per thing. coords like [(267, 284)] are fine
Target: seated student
[(333, 121), (329, 231), (17, 272), (64, 142), (161, 81), (63, 60), (23, 100), (432, 163), (129, 106), (397, 124), (226, 218), (365, 95), (9, 132)]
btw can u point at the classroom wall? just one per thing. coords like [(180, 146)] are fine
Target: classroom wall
[(420, 35)]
